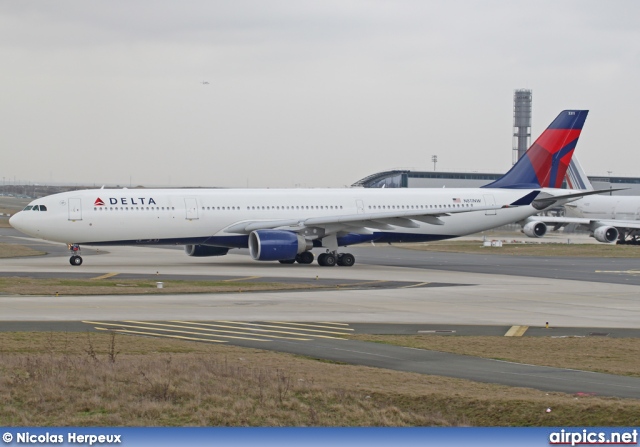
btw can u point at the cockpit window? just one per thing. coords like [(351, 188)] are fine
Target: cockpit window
[(28, 208), (43, 208), (35, 208)]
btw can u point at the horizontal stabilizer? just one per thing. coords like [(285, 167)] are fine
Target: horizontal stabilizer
[(545, 200)]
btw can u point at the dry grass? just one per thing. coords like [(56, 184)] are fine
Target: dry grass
[(53, 286), (13, 250), (531, 249), (82, 379), (608, 355)]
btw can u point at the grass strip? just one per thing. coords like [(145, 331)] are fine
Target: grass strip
[(56, 286), (89, 379), (13, 250), (530, 249)]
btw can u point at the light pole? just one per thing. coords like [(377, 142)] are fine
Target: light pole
[(434, 159)]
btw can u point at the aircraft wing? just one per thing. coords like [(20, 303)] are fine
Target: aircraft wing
[(381, 220), (357, 223), (546, 200)]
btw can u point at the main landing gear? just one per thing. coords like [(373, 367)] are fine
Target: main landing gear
[(328, 259), (342, 259), (75, 258)]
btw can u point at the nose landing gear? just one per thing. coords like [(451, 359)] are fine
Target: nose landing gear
[(75, 258)]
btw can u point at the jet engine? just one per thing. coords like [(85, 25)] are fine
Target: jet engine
[(535, 229), (276, 245), (606, 234), (205, 250)]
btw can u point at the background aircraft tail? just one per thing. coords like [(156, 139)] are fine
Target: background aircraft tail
[(576, 177), (545, 163)]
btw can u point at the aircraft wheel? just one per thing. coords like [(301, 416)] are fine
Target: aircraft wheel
[(327, 259), (346, 260), (75, 260), (306, 257), (287, 261)]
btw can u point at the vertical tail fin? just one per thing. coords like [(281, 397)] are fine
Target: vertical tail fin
[(545, 163)]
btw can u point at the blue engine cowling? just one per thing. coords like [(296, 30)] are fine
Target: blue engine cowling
[(205, 250), (276, 245)]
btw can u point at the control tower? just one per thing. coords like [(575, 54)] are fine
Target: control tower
[(521, 122)]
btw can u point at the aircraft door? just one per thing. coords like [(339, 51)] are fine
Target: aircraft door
[(75, 209), (360, 206), (489, 200), (191, 205)]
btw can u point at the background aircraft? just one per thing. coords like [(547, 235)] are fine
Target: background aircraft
[(609, 219)]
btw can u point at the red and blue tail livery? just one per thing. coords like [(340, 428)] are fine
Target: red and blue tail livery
[(545, 163)]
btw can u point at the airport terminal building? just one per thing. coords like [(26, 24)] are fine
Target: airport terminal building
[(522, 113), (404, 178)]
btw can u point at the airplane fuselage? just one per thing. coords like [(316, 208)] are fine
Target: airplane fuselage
[(606, 207), (200, 216)]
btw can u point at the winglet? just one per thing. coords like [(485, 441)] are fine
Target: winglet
[(524, 200), (545, 163)]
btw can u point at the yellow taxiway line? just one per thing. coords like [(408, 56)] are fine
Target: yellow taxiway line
[(240, 279), (105, 276), (415, 285), (516, 331)]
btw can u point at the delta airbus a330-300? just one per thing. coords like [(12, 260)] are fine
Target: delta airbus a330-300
[(286, 224)]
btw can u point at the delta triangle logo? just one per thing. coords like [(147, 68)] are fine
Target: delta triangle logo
[(98, 202)]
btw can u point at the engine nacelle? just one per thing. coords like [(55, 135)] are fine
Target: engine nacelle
[(205, 250), (535, 229), (606, 234), (276, 245)]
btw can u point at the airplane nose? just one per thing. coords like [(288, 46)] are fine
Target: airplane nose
[(21, 222), (15, 220)]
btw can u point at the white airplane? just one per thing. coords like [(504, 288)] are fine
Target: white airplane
[(610, 219), (286, 224)]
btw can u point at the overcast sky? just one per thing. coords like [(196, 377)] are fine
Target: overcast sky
[(304, 93)]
